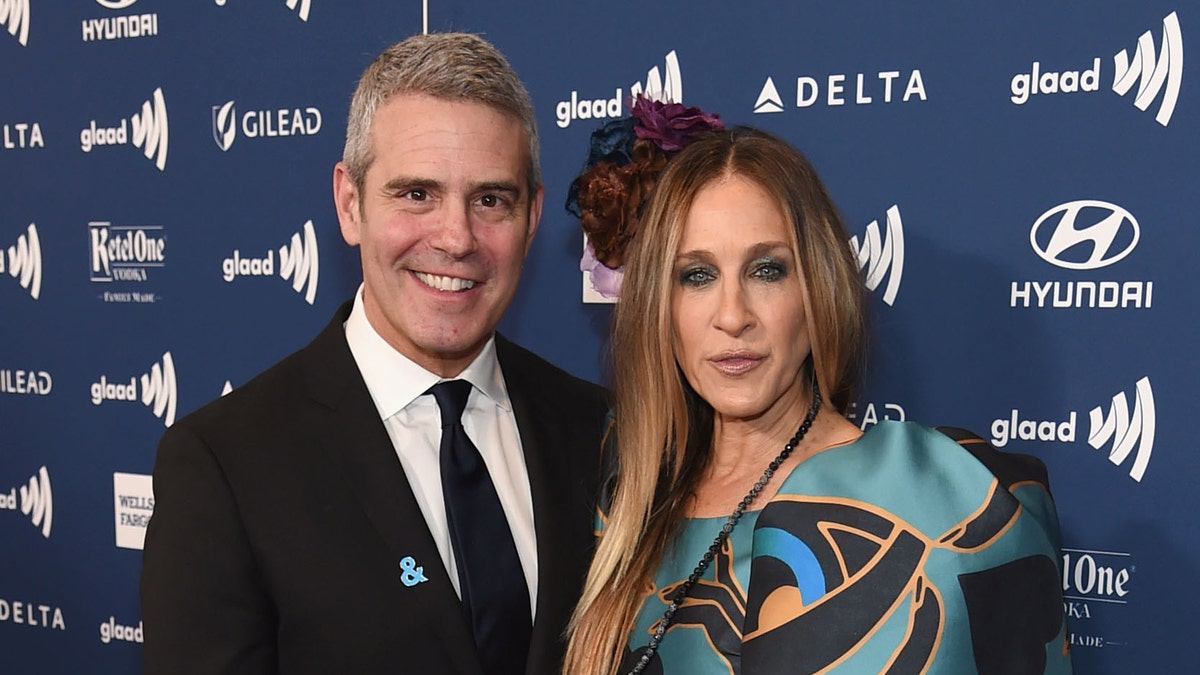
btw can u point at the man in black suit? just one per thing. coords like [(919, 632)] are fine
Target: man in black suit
[(301, 522)]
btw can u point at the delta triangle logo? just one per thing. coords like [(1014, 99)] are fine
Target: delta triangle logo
[(768, 99)]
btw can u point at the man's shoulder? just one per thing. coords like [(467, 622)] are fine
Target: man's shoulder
[(522, 367)]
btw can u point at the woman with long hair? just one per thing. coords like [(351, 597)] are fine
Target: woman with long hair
[(749, 526)]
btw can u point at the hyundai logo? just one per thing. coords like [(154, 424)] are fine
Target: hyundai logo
[(1084, 235)]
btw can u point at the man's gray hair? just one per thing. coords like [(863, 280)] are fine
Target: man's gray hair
[(450, 66)]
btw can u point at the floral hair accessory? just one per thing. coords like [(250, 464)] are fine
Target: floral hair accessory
[(624, 160)]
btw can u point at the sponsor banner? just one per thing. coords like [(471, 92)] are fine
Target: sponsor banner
[(125, 253), (298, 262), (33, 614), (838, 89), (147, 129), (34, 500), (133, 504), (1127, 432), (260, 124), (665, 85), (14, 18), (158, 390), (121, 26), (22, 135), (1096, 584), (1084, 235), (300, 7), (17, 381), (882, 256), (1155, 71), (23, 261), (111, 631), (870, 414)]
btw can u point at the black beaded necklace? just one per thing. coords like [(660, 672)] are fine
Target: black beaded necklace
[(723, 535)]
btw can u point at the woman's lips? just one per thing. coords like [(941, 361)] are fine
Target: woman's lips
[(736, 363)]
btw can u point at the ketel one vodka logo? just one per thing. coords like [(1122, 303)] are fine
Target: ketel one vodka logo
[(298, 261), (147, 130), (158, 390), (882, 256), (1127, 432), (14, 17), (23, 261), (125, 252), (1154, 71), (34, 499), (667, 88)]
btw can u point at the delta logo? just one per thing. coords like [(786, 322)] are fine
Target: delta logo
[(14, 17), (299, 262), (865, 88), (119, 27), (21, 135), (147, 130), (1154, 71), (23, 261), (881, 256), (665, 85), (255, 124), (1127, 432), (300, 7), (1084, 235), (34, 499), (158, 390)]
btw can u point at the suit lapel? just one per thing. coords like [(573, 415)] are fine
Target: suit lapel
[(356, 440), (553, 485)]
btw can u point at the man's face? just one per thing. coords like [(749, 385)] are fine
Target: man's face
[(443, 221)]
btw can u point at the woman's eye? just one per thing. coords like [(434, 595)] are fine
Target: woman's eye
[(769, 271), (695, 276)]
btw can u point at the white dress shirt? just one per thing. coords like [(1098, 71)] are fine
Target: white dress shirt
[(398, 386)]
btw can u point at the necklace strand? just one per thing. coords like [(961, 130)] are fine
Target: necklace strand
[(723, 535)]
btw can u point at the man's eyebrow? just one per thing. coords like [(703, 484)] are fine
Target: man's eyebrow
[(400, 183)]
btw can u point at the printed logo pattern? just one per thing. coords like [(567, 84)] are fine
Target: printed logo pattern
[(1093, 236), (867, 88), (125, 252), (14, 14), (119, 27), (36, 501), (150, 130), (159, 391), (299, 261), (877, 255), (665, 86), (1151, 72), (262, 123), (25, 260), (1125, 429), (300, 7)]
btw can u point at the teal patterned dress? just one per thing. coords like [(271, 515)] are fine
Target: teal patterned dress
[(907, 551)]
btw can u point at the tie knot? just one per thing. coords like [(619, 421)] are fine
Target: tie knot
[(451, 397)]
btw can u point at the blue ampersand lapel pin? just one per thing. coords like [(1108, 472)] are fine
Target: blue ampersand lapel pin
[(411, 575)]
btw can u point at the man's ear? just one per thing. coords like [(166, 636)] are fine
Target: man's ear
[(535, 215), (349, 208)]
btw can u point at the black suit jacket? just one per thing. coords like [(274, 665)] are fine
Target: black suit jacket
[(282, 512)]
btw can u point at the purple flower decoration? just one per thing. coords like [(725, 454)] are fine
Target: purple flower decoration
[(671, 126), (606, 280)]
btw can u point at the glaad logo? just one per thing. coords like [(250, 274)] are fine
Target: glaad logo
[(111, 630), (37, 501), (15, 14), (660, 87), (263, 123), (301, 7), (125, 252), (25, 260), (878, 256), (149, 127), (1154, 74), (868, 88), (1126, 430), (298, 261), (133, 504), (158, 390), (119, 27), (21, 139), (1086, 234)]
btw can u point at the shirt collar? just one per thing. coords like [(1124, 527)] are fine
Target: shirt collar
[(395, 381)]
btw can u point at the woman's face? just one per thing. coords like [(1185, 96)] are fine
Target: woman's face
[(737, 302)]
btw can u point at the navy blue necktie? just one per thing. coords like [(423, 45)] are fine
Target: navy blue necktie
[(495, 597)]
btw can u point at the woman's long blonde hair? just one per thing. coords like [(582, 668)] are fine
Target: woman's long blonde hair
[(664, 429)]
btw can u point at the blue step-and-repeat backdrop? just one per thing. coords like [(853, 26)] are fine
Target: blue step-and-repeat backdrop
[(1019, 180)]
